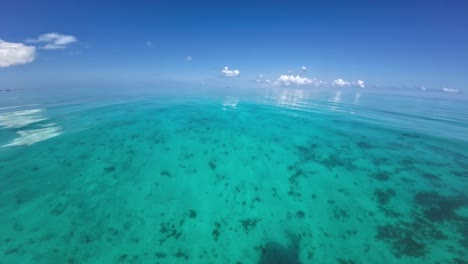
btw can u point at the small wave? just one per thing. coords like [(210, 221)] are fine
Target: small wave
[(230, 102), (31, 136), (31, 125), (21, 118), (17, 106)]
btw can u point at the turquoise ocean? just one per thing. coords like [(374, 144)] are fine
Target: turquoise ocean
[(231, 175)]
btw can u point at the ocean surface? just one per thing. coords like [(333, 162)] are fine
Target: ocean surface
[(231, 175)]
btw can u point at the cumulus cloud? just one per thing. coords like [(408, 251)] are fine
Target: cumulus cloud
[(15, 53), (344, 83), (304, 68), (294, 80), (341, 83), (230, 73), (360, 83), (188, 58), (54, 40)]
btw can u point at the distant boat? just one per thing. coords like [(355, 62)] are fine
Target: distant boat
[(9, 90)]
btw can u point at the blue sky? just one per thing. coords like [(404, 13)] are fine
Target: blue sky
[(384, 43)]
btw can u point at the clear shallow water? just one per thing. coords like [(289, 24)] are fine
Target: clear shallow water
[(233, 176)]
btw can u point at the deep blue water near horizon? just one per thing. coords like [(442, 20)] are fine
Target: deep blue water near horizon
[(231, 175)]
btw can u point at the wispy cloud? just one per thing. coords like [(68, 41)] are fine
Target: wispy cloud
[(450, 90), (230, 73), (188, 58), (259, 78), (54, 41), (15, 53), (149, 44)]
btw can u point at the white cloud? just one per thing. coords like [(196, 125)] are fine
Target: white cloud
[(450, 90), (360, 83), (230, 73), (15, 53), (54, 40), (341, 83), (297, 80), (304, 68), (188, 58)]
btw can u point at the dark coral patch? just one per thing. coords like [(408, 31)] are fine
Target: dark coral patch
[(381, 176), (430, 176), (383, 196), (192, 214), (345, 261), (249, 224), (215, 234), (160, 255), (439, 208), (378, 161), (293, 178), (459, 261), (364, 145), (463, 230), (340, 214), (181, 254), (461, 174), (274, 252), (307, 152), (109, 169), (168, 230), (212, 165), (300, 214), (334, 160), (165, 173), (402, 241), (410, 238), (407, 162)]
